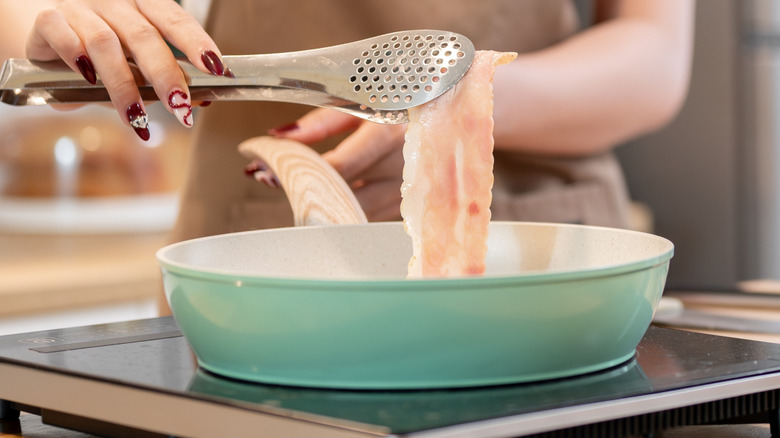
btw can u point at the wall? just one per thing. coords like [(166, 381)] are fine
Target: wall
[(688, 173)]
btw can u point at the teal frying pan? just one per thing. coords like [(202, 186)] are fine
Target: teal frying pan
[(331, 307)]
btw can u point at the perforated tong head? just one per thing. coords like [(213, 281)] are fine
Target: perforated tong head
[(376, 79)]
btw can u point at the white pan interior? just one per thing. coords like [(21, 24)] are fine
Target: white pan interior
[(382, 250)]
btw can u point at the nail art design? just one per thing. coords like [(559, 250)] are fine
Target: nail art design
[(87, 69), (138, 120), (283, 129), (180, 103), (213, 62)]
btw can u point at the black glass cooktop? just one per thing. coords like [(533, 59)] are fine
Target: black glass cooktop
[(151, 355)]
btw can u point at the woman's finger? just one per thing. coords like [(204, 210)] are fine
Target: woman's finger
[(96, 37), (152, 56), (388, 167), (53, 38), (364, 148), (75, 33), (106, 53), (184, 32), (378, 188), (317, 125), (381, 200)]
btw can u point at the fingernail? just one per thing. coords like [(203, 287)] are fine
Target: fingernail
[(260, 172), (229, 73), (87, 69), (205, 103), (251, 169), (284, 129), (138, 120), (180, 103), (213, 63), (268, 178)]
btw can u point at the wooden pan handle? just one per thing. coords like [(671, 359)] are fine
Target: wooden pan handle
[(317, 193)]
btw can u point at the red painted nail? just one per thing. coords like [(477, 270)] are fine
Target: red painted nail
[(87, 69), (213, 63), (250, 169), (138, 120), (205, 103), (284, 129), (181, 106)]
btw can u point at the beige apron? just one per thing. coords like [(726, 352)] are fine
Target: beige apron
[(219, 198)]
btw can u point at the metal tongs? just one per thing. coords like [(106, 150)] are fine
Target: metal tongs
[(377, 79)]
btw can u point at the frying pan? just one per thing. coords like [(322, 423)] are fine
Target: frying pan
[(331, 307), (328, 304)]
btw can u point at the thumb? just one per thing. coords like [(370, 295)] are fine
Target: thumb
[(364, 148)]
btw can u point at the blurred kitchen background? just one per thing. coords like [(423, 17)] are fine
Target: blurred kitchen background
[(712, 178), (84, 204)]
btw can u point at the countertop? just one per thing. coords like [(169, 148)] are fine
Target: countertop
[(45, 273)]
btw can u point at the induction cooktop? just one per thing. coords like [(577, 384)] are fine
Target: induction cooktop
[(139, 379)]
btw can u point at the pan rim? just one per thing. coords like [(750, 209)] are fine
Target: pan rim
[(236, 277)]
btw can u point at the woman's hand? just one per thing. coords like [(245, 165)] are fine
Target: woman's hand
[(370, 159), (97, 37)]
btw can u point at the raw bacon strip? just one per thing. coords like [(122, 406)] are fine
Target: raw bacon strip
[(448, 175)]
